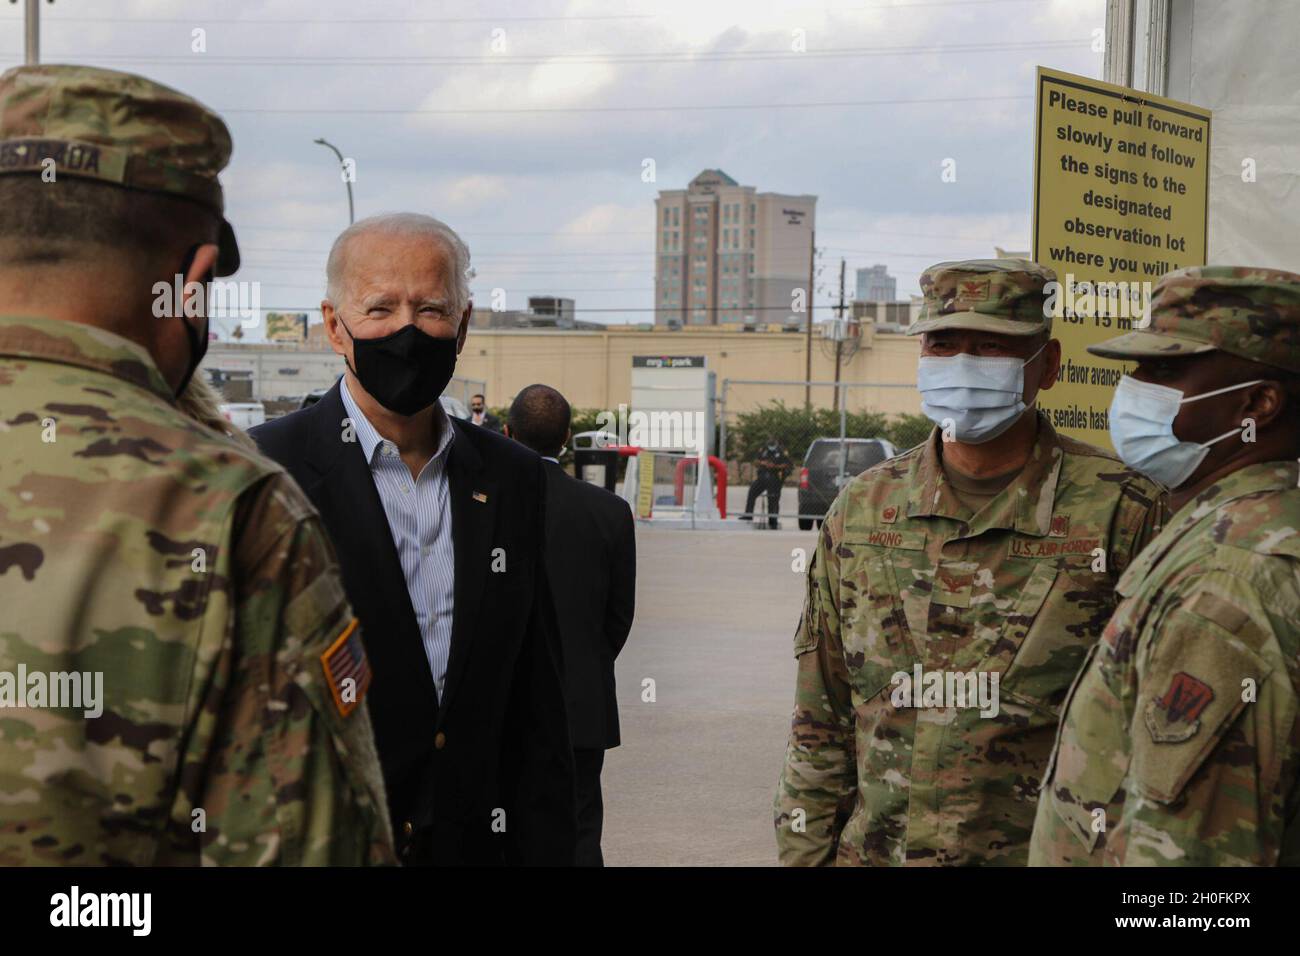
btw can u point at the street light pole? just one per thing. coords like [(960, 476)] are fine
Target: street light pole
[(342, 166), (807, 368), (31, 31), (32, 43)]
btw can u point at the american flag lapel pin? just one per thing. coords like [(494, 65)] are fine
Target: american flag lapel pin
[(481, 497)]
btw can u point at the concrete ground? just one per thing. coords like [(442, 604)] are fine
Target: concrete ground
[(736, 495), (693, 781)]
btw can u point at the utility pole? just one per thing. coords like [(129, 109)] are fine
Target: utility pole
[(31, 31), (807, 371), (347, 180), (839, 336)]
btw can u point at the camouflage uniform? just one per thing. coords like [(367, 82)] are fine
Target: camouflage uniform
[(184, 569), (905, 576), (1180, 742)]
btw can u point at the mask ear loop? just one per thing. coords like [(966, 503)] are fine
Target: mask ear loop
[(1025, 365), (1036, 354), (1220, 391), (353, 338), (1215, 441)]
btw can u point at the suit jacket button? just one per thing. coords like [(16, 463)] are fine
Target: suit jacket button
[(407, 828), (439, 740)]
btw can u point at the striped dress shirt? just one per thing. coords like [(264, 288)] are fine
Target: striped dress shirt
[(419, 517)]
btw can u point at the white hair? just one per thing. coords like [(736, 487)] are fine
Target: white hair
[(402, 224)]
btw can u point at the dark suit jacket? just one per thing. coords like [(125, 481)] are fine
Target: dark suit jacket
[(490, 422), (591, 563), (499, 737)]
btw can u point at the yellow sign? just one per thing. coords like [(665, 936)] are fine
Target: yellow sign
[(1121, 181), (645, 489)]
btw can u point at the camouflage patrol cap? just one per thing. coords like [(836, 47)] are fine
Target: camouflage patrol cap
[(1250, 312), (987, 295), (117, 128)]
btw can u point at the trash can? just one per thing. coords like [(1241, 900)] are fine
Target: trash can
[(595, 458)]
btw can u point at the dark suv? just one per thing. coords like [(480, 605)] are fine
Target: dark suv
[(819, 478)]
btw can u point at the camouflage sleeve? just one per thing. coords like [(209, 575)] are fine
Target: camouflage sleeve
[(818, 782), (293, 777), (1143, 511), (1215, 733)]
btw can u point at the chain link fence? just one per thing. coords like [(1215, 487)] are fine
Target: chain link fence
[(790, 445)]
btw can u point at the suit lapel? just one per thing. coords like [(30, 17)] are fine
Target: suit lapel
[(474, 502)]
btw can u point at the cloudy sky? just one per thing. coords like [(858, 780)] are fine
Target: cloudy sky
[(525, 124)]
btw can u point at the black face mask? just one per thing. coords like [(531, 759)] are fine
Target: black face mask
[(406, 371), (198, 341)]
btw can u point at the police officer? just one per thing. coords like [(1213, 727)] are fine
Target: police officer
[(1180, 743), (952, 596), (182, 679), (773, 466)]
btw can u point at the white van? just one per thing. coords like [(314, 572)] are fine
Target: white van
[(244, 414)]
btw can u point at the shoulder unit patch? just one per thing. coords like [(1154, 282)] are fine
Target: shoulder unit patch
[(1174, 717)]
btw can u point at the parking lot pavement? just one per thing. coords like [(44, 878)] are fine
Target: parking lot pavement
[(693, 781), (736, 495)]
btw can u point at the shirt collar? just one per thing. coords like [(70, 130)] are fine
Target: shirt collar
[(1025, 505), (370, 439), (75, 343)]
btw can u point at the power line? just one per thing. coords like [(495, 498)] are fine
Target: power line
[(580, 59), (513, 259), (597, 234), (632, 232), (558, 271), (583, 311), (476, 235), (257, 21), (493, 256), (550, 290), (561, 269), (200, 20), (689, 108), (477, 258)]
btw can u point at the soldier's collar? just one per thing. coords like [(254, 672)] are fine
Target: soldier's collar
[(1025, 505), (1251, 480), (930, 495), (72, 343)]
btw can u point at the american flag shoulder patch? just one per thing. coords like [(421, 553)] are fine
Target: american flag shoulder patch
[(347, 671)]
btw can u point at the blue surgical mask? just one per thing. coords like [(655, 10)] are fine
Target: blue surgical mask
[(981, 396), (1142, 428)]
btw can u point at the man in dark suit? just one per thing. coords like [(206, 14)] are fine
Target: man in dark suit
[(591, 562), (479, 414), (439, 530)]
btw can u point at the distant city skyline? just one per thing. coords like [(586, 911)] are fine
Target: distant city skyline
[(875, 284)]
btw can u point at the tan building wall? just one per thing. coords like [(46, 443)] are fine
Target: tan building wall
[(594, 369)]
